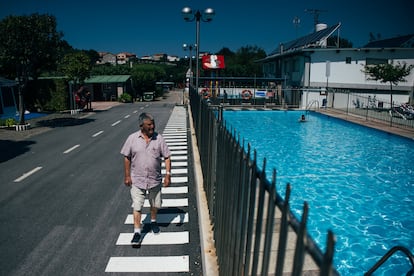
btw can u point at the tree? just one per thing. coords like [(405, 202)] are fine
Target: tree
[(76, 66), (28, 45), (145, 76), (388, 72), (242, 63)]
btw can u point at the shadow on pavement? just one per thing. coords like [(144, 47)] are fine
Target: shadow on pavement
[(63, 122), (10, 149)]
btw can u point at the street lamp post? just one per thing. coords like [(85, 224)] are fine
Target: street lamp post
[(190, 48), (189, 16)]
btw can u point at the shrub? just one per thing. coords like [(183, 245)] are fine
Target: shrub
[(8, 122), (125, 98)]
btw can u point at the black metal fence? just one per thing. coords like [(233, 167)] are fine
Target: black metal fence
[(255, 231)]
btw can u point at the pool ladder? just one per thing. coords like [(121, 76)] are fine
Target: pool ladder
[(316, 102), (391, 252)]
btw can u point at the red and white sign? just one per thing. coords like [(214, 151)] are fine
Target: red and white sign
[(213, 62)]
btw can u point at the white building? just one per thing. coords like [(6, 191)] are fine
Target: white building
[(306, 67)]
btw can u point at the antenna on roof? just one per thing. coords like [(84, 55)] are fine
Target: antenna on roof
[(315, 13)]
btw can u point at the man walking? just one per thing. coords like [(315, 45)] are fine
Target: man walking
[(143, 152)]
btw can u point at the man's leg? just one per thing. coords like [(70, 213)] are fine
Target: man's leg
[(137, 219), (138, 197), (155, 200)]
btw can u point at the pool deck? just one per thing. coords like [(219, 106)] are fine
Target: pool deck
[(380, 125)]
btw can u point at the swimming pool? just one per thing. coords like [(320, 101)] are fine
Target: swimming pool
[(359, 182)]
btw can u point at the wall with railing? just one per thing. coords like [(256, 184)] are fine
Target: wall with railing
[(255, 231), (372, 107)]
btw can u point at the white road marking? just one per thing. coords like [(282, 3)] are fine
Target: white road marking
[(127, 116), (135, 111), (173, 148), (176, 164), (117, 122), (178, 152), (71, 149), (98, 133), (149, 264), (179, 179), (175, 171), (176, 140), (161, 218), (159, 239), (25, 175), (174, 190), (168, 202), (179, 157)]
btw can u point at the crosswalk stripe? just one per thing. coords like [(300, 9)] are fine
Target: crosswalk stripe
[(179, 152), (174, 190), (176, 164), (173, 148), (168, 140), (176, 171), (172, 144), (179, 157), (149, 264), (170, 135), (159, 239), (161, 218), (170, 202), (179, 179)]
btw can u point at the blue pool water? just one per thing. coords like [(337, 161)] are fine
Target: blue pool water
[(359, 182)]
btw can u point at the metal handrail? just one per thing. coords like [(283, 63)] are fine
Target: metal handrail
[(311, 103), (391, 252)]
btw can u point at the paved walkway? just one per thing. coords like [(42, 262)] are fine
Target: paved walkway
[(380, 125)]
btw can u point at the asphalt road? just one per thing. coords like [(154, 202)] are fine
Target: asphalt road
[(62, 198)]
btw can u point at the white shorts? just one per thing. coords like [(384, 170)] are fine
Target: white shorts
[(138, 197)]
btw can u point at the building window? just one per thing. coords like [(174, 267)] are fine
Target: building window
[(348, 60)]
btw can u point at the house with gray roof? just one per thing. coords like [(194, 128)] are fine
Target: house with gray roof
[(311, 71)]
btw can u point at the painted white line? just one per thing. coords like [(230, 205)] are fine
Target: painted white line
[(142, 107), (179, 157), (25, 175), (176, 171), (175, 140), (177, 143), (151, 239), (149, 264), (117, 122), (174, 190), (176, 164), (169, 202), (179, 179), (135, 111), (161, 218), (178, 148), (98, 133), (71, 149), (127, 116), (179, 152)]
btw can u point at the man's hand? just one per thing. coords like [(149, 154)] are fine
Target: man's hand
[(128, 181), (167, 180)]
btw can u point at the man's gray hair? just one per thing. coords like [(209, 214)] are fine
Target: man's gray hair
[(144, 116)]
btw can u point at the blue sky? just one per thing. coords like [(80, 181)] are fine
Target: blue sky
[(146, 27)]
